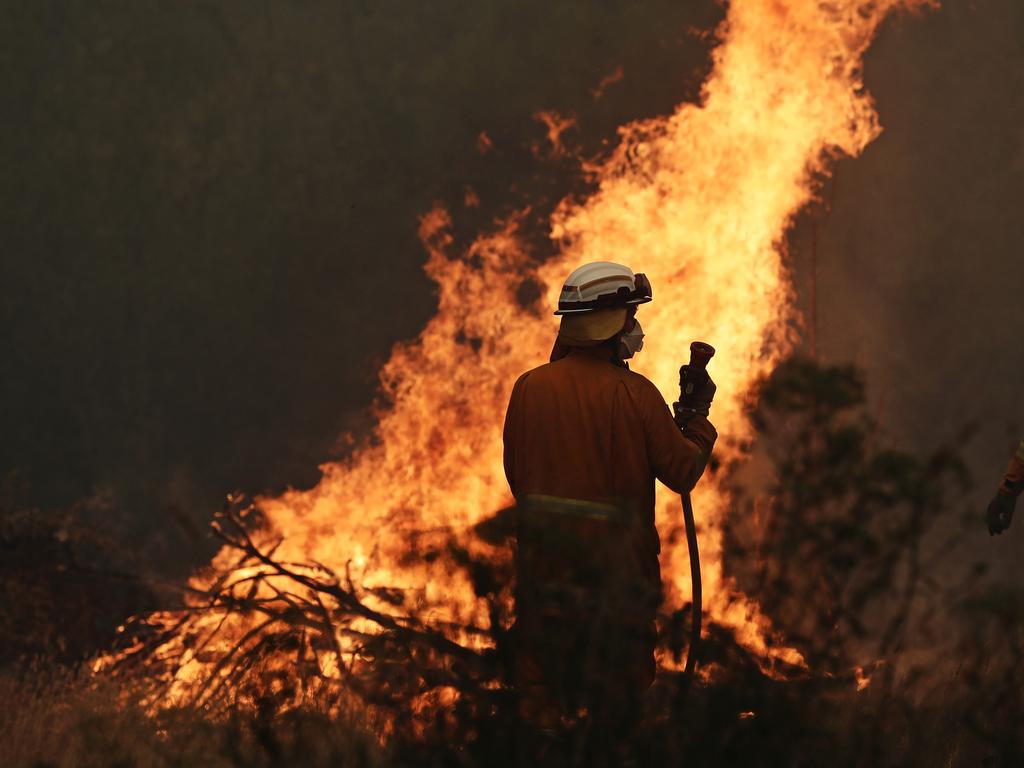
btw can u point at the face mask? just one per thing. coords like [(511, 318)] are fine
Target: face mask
[(631, 342)]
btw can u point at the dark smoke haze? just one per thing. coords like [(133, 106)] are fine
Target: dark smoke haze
[(921, 260), (208, 212)]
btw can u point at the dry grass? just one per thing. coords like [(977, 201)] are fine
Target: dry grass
[(59, 718), (62, 719)]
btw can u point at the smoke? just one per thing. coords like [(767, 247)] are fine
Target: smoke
[(919, 260)]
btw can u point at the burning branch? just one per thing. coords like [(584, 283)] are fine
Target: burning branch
[(287, 632)]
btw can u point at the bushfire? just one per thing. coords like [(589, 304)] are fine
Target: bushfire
[(699, 200)]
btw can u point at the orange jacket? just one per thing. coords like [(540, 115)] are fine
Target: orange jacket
[(1013, 481), (586, 427)]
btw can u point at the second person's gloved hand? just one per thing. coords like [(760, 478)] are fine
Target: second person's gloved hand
[(1000, 512)]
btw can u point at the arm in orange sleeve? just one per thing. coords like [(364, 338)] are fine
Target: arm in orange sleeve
[(677, 457), (510, 433), (1013, 480)]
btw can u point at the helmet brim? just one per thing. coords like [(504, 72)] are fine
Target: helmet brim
[(588, 309)]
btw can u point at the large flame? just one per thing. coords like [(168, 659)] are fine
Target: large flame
[(700, 201)]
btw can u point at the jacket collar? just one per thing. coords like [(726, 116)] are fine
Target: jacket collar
[(603, 351)]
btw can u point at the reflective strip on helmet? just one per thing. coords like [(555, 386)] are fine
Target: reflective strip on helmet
[(599, 281), (601, 284), (640, 294)]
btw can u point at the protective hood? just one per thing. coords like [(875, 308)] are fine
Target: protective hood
[(591, 328)]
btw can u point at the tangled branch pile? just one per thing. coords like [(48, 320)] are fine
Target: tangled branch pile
[(272, 634)]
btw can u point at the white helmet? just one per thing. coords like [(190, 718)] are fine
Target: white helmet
[(600, 285)]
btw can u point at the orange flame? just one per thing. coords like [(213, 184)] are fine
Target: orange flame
[(700, 201)]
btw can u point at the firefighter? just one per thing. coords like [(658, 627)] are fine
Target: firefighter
[(1000, 509), (585, 438)]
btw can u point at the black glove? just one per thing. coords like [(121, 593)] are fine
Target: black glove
[(1000, 512), (696, 400)]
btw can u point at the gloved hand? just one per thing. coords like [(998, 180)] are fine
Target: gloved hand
[(1000, 512), (697, 400)]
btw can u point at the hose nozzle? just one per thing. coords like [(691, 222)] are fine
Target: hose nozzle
[(700, 354), (696, 390)]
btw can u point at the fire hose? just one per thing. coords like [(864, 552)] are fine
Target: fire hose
[(695, 587), (692, 377)]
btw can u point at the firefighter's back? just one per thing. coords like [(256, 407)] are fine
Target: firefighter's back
[(575, 430)]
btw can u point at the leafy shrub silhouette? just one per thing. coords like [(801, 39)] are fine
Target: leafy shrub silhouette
[(836, 543)]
